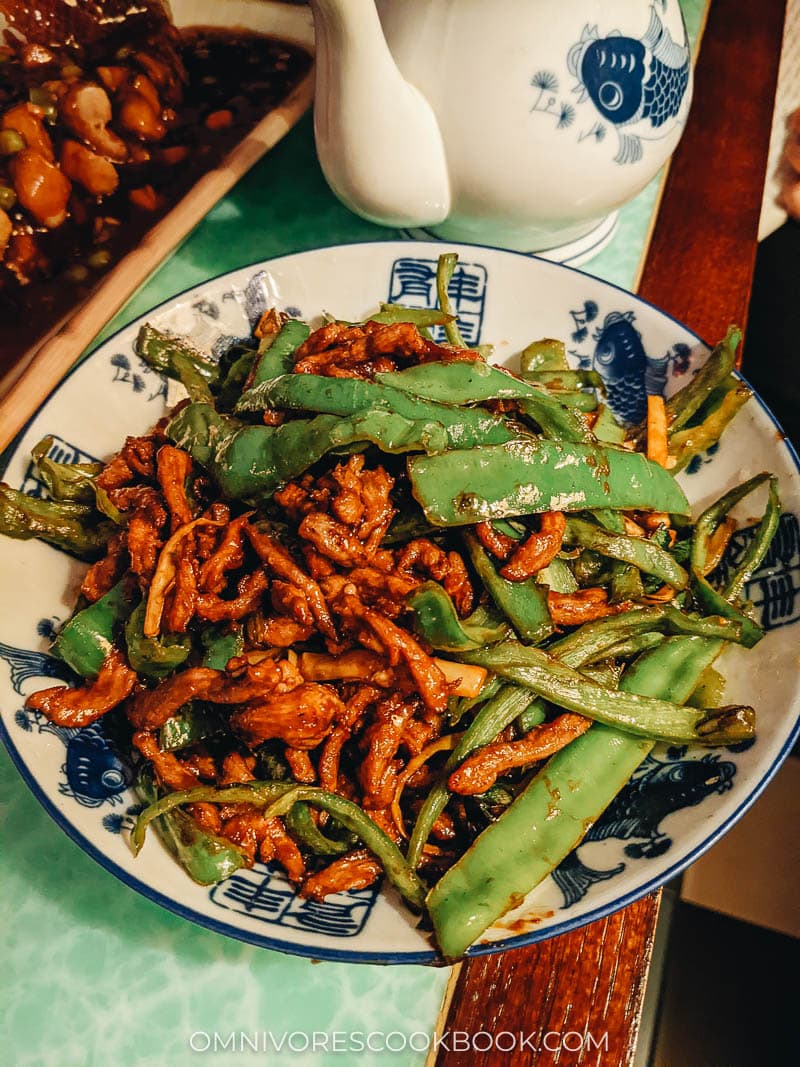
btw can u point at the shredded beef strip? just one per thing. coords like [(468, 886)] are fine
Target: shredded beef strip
[(538, 550), (173, 469), (302, 717), (228, 556), (106, 572), (481, 770), (354, 870), (281, 563), (78, 707)]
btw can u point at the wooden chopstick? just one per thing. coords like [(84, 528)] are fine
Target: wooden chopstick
[(29, 384)]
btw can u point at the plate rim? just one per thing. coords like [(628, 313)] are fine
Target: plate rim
[(429, 957)]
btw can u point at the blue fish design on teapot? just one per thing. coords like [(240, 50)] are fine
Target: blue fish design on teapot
[(460, 157), (630, 80)]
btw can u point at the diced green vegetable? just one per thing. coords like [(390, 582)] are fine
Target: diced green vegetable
[(154, 657), (86, 639)]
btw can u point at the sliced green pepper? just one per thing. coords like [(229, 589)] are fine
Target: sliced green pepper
[(444, 272), (154, 657), (524, 604), (684, 444), (64, 524), (682, 405), (642, 553), (399, 873), (350, 396), (422, 318), (65, 481), (534, 475), (221, 643), (207, 859), (251, 462), (759, 545), (713, 515), (659, 720), (278, 356), (86, 639), (300, 823), (195, 722), (475, 382), (437, 621), (546, 355), (159, 350)]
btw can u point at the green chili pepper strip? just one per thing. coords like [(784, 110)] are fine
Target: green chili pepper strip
[(221, 644), (524, 604), (159, 350), (258, 793), (557, 576), (544, 355), (495, 715), (350, 396), (659, 720), (193, 723), (444, 272), (534, 475), (206, 858), (712, 601), (66, 525), (643, 554), (300, 823), (154, 657), (715, 513), (594, 638), (566, 380), (759, 545), (65, 481), (278, 357), (475, 382), (682, 405), (630, 647), (422, 318), (437, 621), (251, 462), (684, 444), (358, 822), (87, 638), (546, 821)]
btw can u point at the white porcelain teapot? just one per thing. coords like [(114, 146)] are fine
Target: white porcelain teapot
[(519, 123)]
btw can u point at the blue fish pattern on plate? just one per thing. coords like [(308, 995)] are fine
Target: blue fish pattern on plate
[(631, 80), (659, 788), (628, 373)]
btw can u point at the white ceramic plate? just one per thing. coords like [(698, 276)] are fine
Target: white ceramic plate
[(679, 802)]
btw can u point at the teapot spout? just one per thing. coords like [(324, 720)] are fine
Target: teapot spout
[(377, 137)]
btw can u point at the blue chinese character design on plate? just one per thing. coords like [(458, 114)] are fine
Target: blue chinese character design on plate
[(413, 284), (264, 893), (774, 589)]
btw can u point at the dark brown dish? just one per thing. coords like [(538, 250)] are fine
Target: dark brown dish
[(101, 135)]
